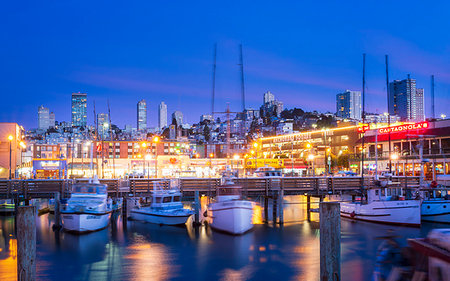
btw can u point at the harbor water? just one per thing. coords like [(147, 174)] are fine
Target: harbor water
[(142, 251)]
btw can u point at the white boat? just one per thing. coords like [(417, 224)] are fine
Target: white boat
[(266, 171), (436, 204), (165, 208), (87, 209), (230, 213), (384, 205)]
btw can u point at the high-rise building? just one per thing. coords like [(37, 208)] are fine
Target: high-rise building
[(79, 110), (103, 125), (162, 115), (268, 97), (405, 100), (43, 118), (51, 119), (142, 115), (348, 105), (178, 116)]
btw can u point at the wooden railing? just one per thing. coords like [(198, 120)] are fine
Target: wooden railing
[(290, 185)]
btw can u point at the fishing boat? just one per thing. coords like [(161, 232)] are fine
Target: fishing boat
[(266, 171), (165, 207), (230, 213), (87, 209), (436, 204), (386, 205)]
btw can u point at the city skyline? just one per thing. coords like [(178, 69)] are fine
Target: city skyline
[(301, 75)]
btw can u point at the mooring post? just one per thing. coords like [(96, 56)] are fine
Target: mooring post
[(308, 207), (274, 206), (197, 208), (281, 220), (26, 243), (57, 209), (266, 209), (330, 241), (124, 209)]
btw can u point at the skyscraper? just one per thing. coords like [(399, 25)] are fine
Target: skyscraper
[(79, 110), (348, 105), (268, 97), (43, 118), (405, 100), (178, 116), (142, 115), (162, 115), (103, 125)]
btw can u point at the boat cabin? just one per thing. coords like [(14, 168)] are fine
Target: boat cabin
[(392, 193), (89, 188), (166, 199), (436, 193), (266, 171)]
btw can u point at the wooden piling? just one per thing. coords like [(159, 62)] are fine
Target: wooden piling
[(266, 209), (57, 210), (26, 243), (274, 206), (124, 209), (197, 208), (281, 211), (308, 207), (330, 241)]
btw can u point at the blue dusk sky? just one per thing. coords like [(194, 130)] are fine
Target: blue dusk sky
[(305, 52)]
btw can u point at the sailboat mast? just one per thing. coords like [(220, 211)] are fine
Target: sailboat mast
[(112, 143), (213, 82), (363, 117), (241, 64), (388, 113)]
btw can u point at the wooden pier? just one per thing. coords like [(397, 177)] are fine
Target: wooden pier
[(316, 186)]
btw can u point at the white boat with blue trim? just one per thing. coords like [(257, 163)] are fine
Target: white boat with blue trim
[(87, 209), (230, 213), (385, 205), (436, 204), (165, 208)]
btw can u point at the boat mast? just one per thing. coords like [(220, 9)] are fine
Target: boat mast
[(388, 113), (213, 82), (432, 97), (112, 143), (363, 117), (241, 64)]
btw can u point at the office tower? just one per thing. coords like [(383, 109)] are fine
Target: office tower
[(51, 119), (348, 105), (178, 116), (142, 115), (268, 97), (405, 100), (43, 118), (162, 116), (103, 125), (79, 110)]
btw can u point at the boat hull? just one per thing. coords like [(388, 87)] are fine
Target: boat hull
[(160, 218), (436, 211), (234, 217), (396, 212), (85, 222)]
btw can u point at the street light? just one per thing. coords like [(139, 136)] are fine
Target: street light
[(394, 157), (311, 158), (155, 140), (10, 138)]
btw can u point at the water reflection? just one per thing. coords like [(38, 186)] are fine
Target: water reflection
[(151, 252)]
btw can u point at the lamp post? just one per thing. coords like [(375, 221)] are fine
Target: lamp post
[(155, 140), (237, 158), (394, 157), (311, 158), (10, 138), (23, 146)]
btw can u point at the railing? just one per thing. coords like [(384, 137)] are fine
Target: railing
[(137, 187)]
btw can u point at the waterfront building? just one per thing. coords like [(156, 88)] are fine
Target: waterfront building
[(348, 105), (302, 152), (406, 101), (142, 115), (44, 118), (103, 125), (11, 136), (162, 116), (408, 142), (178, 117), (79, 109)]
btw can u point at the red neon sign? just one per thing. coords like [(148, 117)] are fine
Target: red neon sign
[(403, 128)]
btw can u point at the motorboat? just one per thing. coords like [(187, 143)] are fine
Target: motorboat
[(165, 207), (435, 204), (88, 208), (230, 212), (266, 171), (386, 205), (6, 207)]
